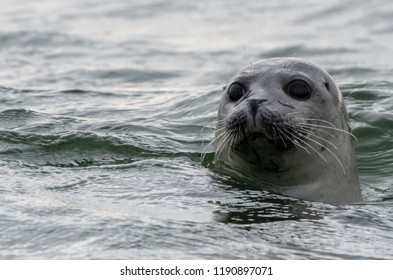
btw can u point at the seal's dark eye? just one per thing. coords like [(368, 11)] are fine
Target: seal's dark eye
[(299, 89), (235, 92)]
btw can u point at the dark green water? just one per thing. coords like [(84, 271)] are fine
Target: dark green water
[(106, 106)]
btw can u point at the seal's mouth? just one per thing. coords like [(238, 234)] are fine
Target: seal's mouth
[(255, 136), (256, 141), (258, 149), (259, 139)]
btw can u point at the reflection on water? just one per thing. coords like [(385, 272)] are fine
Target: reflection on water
[(255, 207)]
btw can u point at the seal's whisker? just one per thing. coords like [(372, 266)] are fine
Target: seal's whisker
[(316, 125), (206, 126), (208, 146), (307, 144), (280, 134), (235, 138), (221, 143), (204, 150), (319, 120), (294, 141), (312, 134), (274, 130), (328, 127), (317, 129), (215, 139), (330, 151), (224, 141), (221, 129), (297, 145), (231, 142), (321, 145), (338, 160), (210, 125), (228, 143), (221, 122)]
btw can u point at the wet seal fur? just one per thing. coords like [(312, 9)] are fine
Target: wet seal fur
[(282, 122)]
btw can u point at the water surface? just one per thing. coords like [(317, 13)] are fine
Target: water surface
[(106, 106)]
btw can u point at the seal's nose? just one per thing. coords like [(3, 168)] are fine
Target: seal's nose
[(254, 104)]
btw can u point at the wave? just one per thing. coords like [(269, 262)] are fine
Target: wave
[(69, 150), (84, 149), (36, 39)]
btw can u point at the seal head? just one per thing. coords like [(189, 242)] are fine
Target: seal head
[(282, 122)]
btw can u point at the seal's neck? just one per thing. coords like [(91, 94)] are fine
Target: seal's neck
[(326, 177), (333, 180)]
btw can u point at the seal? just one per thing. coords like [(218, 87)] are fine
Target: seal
[(283, 125)]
